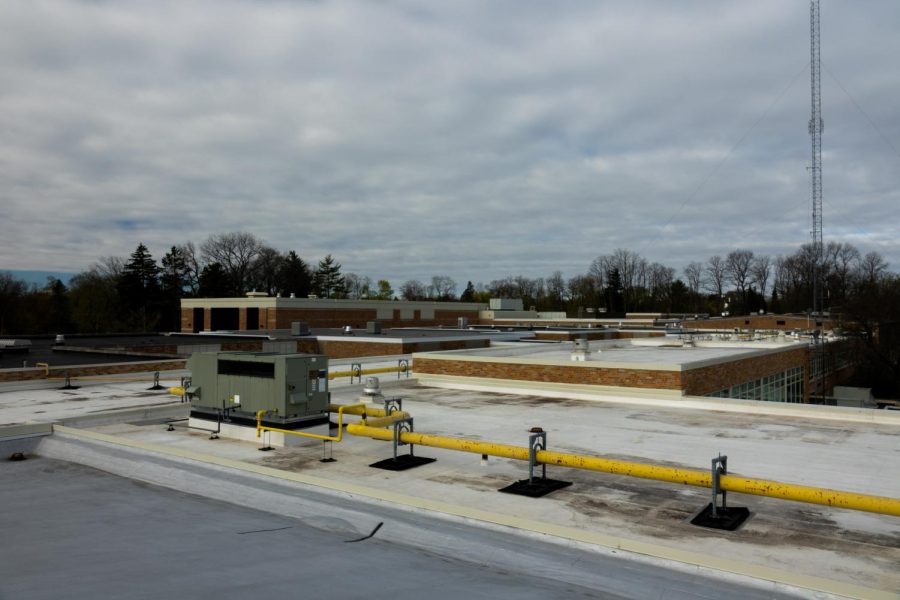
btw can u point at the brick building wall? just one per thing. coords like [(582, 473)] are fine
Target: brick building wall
[(335, 349), (635, 378), (335, 317), (782, 322), (705, 380), (694, 382), (84, 371)]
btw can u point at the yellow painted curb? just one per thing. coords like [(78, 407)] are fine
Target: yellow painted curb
[(569, 533)]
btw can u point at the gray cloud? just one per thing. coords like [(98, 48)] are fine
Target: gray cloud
[(411, 139)]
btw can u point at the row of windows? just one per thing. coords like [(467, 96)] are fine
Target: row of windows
[(786, 386)]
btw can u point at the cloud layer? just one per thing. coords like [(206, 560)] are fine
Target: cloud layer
[(465, 138)]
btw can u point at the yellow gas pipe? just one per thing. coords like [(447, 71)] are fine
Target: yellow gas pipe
[(328, 438), (758, 487)]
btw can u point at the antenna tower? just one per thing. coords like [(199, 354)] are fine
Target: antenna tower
[(816, 125)]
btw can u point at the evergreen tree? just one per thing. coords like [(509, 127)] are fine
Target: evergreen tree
[(468, 294), (174, 281), (60, 318), (328, 280), (139, 289), (174, 273), (294, 276), (615, 303), (214, 281)]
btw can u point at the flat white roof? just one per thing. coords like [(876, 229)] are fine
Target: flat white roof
[(810, 541), (655, 353)]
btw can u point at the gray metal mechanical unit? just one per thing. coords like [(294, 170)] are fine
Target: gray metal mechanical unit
[(233, 386)]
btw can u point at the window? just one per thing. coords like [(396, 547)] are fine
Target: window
[(786, 386)]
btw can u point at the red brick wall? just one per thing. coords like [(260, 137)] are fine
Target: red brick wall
[(637, 378)]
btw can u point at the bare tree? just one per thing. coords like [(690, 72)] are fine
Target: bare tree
[(263, 274), (109, 266), (760, 269), (358, 286), (413, 289), (598, 270), (530, 290), (715, 271), (236, 252), (632, 269), (737, 267), (660, 279), (556, 288), (694, 275), (844, 259), (192, 266), (504, 288), (582, 291), (872, 268), (442, 287)]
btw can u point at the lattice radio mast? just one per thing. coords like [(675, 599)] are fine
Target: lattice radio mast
[(816, 125)]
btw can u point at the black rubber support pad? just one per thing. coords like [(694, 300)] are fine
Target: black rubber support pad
[(402, 463), (727, 519), (536, 489)]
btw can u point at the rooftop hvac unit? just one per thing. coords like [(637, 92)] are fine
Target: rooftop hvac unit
[(292, 388), (506, 304), (299, 328), (373, 327)]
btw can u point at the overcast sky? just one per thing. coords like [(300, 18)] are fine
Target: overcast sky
[(474, 139)]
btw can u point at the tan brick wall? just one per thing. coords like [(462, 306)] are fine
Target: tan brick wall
[(702, 381), (271, 318), (637, 378), (595, 334), (426, 346), (758, 322), (323, 318), (334, 349), (83, 371), (358, 318), (308, 346)]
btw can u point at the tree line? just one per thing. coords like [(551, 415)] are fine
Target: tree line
[(137, 293)]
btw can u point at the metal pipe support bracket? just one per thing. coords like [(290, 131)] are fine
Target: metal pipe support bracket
[(402, 367)]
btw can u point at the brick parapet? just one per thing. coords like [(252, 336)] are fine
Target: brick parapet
[(556, 373), (33, 374)]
